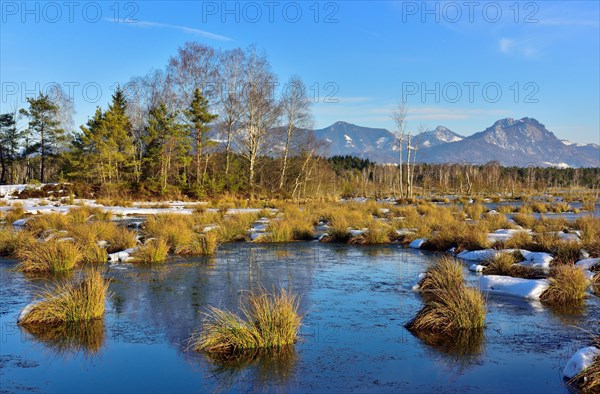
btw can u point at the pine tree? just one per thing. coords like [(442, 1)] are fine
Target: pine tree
[(44, 128), (118, 146), (10, 139), (167, 149), (199, 117)]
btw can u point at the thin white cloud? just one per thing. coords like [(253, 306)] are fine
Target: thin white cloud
[(511, 46), (184, 29)]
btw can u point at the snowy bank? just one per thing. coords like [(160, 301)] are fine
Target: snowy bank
[(581, 360), (513, 287), (417, 243)]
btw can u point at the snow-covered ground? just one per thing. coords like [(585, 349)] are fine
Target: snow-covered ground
[(44, 205)]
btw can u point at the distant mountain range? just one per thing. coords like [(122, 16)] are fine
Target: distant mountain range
[(521, 142)]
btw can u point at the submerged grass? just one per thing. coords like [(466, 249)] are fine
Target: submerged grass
[(52, 256), (267, 321), (568, 285), (70, 302)]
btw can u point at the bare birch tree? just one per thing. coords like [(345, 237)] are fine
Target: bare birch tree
[(399, 118), (260, 112), (231, 84), (295, 107)]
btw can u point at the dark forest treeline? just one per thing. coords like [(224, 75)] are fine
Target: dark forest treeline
[(216, 122)]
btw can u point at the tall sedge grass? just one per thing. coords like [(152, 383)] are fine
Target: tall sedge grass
[(505, 264), (70, 302), (49, 221), (120, 239), (52, 256), (451, 310), (16, 212), (155, 250), (93, 254), (201, 244), (445, 273), (235, 227), (568, 285), (267, 321), (177, 230), (12, 241)]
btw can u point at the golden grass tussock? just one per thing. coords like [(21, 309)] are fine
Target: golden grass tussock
[(176, 230), (155, 250), (268, 320), (474, 211), (233, 228), (12, 241), (451, 310), (92, 232), (524, 220), (505, 264), (16, 212), (588, 380), (495, 222), (460, 235), (120, 239), (49, 221), (52, 256), (93, 254), (377, 233), (445, 273), (568, 285), (70, 302)]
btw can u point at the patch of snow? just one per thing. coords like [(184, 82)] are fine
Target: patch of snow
[(26, 310), (476, 268), (477, 255), (588, 264), (417, 243), (415, 286), (513, 287), (122, 256), (580, 361), (537, 259), (356, 233)]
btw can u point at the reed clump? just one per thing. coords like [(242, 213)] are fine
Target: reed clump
[(234, 228), (445, 273), (155, 250), (52, 256), (69, 302), (267, 321), (505, 264), (568, 285), (12, 241), (450, 311)]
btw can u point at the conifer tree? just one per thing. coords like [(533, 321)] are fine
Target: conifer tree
[(44, 128), (200, 118)]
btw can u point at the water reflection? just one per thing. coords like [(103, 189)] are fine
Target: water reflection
[(258, 369), (70, 338), (456, 353)]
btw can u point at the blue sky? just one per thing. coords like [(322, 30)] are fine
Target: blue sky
[(459, 64)]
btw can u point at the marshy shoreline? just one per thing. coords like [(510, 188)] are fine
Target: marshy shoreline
[(375, 251)]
